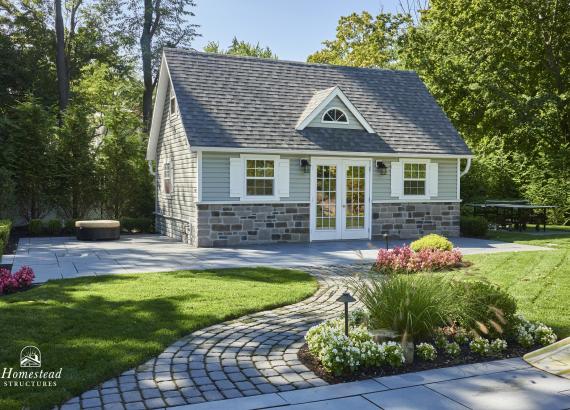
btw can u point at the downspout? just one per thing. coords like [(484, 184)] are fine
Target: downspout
[(150, 168), (467, 167)]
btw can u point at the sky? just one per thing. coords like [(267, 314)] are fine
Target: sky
[(293, 29)]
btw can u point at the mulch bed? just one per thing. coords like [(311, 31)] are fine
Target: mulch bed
[(466, 357)]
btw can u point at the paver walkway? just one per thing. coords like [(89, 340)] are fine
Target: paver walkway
[(57, 257), (252, 355), (498, 385)]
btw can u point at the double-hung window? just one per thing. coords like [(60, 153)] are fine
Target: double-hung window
[(415, 177), (260, 177), (168, 180)]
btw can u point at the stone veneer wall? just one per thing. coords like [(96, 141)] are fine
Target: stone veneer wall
[(247, 224), (411, 220)]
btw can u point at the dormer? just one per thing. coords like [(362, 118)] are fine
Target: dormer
[(331, 108)]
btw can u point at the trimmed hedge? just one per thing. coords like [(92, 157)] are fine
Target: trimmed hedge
[(53, 227), (5, 227), (476, 226), (432, 241), (137, 225), (35, 227)]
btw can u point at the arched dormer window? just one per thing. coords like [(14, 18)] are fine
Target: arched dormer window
[(335, 115)]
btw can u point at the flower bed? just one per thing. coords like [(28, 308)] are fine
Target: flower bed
[(405, 260), (336, 358), (13, 282)]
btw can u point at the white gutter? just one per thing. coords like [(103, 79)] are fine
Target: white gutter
[(150, 168), (467, 167)]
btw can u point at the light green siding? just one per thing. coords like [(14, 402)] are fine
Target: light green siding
[(447, 186), (216, 178), (337, 103)]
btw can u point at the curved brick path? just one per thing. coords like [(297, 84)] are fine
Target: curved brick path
[(252, 355)]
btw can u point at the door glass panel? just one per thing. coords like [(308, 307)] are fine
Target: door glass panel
[(355, 197), (326, 197)]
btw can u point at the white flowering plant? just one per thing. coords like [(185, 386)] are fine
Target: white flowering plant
[(461, 336), (527, 333), (426, 351), (497, 346), (452, 349), (480, 346), (342, 354), (440, 339)]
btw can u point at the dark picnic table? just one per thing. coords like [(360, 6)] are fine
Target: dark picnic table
[(513, 213)]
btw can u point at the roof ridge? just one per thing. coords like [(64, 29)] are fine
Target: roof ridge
[(291, 62)]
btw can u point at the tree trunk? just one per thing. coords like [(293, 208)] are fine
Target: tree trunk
[(61, 59), (146, 54)]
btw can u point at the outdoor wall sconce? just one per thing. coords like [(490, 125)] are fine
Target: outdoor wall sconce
[(346, 298), (305, 164), (386, 240), (381, 167)]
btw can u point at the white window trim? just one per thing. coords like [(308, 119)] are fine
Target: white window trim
[(405, 161), (335, 122), (171, 177), (172, 115), (275, 196)]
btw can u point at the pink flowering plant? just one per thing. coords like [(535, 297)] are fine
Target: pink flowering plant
[(405, 260), (19, 280)]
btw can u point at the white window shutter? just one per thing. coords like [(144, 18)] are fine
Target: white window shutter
[(433, 179), (236, 177), (397, 178), (283, 177)]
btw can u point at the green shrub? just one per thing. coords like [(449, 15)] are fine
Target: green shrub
[(5, 227), (137, 225), (475, 226), (53, 227), (497, 346), (480, 346), (35, 227), (432, 241), (452, 349), (487, 309), (427, 352), (70, 226), (412, 305)]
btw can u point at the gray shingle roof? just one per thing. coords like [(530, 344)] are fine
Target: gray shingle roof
[(243, 102)]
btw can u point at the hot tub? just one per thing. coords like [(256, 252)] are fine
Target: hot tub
[(98, 230)]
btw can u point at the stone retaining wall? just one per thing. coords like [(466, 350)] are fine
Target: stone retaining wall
[(412, 220), (247, 224)]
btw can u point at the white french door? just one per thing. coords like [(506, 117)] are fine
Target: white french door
[(340, 199)]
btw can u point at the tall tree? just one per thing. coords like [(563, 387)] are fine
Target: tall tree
[(61, 57), (365, 41), (240, 48), (157, 24)]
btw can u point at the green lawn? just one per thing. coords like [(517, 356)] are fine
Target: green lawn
[(540, 281), (97, 327)]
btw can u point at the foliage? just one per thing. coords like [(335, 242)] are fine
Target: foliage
[(241, 48), (357, 317), (35, 227), (461, 336), (452, 349), (517, 120), (340, 354), (53, 227), (365, 41), (405, 260), (488, 310), (426, 351), (480, 346), (432, 241), (440, 339), (32, 159), (137, 225), (412, 305), (528, 334), (19, 280), (497, 346), (473, 226), (5, 228), (125, 320)]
